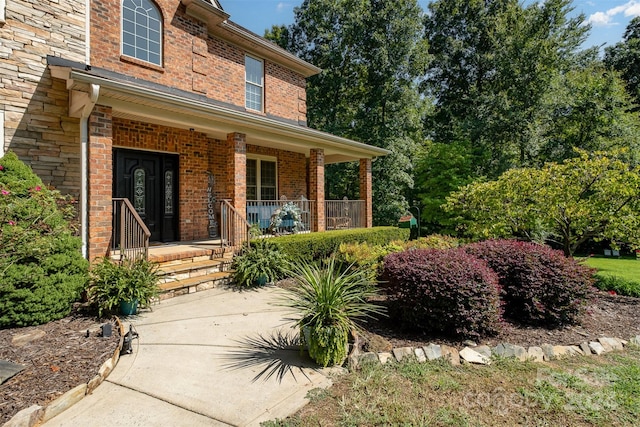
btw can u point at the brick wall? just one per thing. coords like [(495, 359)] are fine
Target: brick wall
[(37, 127), (194, 61)]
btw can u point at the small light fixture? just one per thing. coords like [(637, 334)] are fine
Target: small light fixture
[(106, 330)]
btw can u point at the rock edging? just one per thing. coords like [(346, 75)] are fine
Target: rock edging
[(37, 415), (483, 354)]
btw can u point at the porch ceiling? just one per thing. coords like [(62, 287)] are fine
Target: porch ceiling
[(169, 108)]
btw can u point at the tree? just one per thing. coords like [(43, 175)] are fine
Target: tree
[(373, 56), (593, 196), (493, 62), (624, 57)]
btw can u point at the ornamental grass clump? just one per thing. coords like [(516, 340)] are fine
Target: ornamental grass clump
[(444, 291), (42, 271), (328, 300), (540, 285)]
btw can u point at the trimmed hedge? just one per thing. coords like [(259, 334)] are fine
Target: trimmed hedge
[(42, 269), (540, 285), (314, 246), (448, 291)]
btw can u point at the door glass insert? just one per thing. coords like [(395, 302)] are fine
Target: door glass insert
[(168, 192), (139, 178)]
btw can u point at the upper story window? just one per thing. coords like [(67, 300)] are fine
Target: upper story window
[(254, 77), (142, 31)]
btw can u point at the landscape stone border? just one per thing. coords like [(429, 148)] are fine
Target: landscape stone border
[(483, 354), (36, 415)]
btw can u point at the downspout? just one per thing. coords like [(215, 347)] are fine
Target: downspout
[(94, 92)]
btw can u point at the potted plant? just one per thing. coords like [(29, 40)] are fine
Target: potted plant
[(127, 284), (258, 263), (328, 302)]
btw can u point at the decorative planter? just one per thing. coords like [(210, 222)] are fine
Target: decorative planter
[(128, 308), (262, 280)]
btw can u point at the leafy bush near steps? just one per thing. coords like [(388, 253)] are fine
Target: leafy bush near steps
[(540, 285), (447, 291), (315, 246), (41, 268), (619, 285), (259, 263)]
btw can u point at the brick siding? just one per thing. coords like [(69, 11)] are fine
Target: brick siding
[(195, 61)]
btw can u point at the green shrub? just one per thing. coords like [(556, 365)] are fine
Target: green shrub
[(127, 281), (328, 302), (316, 246), (434, 241), (540, 285), (619, 285), (259, 263), (445, 291), (42, 269)]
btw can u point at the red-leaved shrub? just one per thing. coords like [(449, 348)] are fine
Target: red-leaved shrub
[(540, 285), (446, 291)]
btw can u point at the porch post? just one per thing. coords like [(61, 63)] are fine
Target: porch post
[(316, 188), (366, 191), (237, 171), (100, 179)]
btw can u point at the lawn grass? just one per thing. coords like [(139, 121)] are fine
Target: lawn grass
[(621, 275), (579, 391), (627, 268)]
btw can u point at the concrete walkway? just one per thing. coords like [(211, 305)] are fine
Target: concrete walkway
[(213, 358)]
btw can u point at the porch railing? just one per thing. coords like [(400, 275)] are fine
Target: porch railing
[(130, 238), (344, 214), (234, 229), (281, 216)]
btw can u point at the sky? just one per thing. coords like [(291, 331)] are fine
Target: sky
[(608, 18)]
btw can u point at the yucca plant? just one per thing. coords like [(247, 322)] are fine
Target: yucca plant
[(329, 300)]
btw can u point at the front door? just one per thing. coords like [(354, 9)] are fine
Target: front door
[(150, 181)]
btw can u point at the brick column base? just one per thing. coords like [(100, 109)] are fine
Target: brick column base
[(366, 191), (316, 188), (100, 182)]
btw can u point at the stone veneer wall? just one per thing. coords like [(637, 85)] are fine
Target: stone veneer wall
[(35, 106)]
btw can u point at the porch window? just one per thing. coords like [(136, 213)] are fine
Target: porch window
[(142, 31), (254, 88), (261, 179)]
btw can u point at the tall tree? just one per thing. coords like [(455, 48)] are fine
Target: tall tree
[(493, 62), (373, 56), (624, 57)]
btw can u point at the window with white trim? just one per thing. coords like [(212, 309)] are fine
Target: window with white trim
[(142, 31), (254, 79), (262, 182)]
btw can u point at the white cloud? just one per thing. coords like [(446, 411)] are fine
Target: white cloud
[(606, 18), (282, 6)]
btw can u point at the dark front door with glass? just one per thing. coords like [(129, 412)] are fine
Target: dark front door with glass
[(150, 182)]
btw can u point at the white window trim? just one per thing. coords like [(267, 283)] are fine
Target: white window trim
[(1, 132), (259, 158), (161, 35), (246, 82), (3, 15)]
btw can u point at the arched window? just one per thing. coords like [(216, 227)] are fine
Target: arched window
[(142, 31)]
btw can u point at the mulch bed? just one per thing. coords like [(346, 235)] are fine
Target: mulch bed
[(69, 353), (606, 316)]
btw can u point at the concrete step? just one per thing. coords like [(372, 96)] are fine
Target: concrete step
[(184, 270), (172, 288)]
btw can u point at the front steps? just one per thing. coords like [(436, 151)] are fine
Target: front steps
[(187, 272)]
